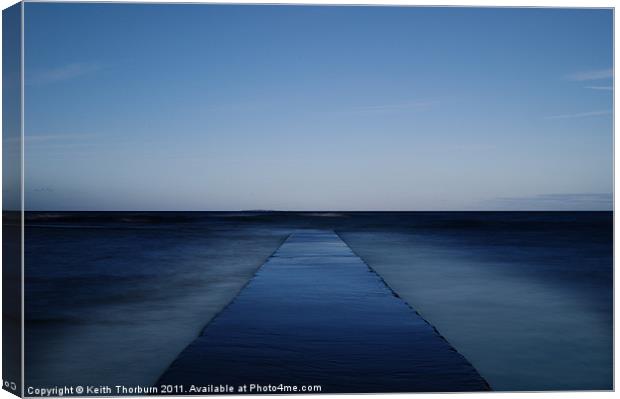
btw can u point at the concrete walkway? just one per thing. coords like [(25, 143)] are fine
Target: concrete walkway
[(316, 314)]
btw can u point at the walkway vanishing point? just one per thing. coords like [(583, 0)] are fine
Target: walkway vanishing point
[(316, 314)]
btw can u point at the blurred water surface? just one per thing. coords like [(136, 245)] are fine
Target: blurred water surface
[(113, 298)]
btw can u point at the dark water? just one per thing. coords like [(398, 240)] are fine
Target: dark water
[(113, 298)]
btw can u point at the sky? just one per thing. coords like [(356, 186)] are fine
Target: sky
[(215, 107)]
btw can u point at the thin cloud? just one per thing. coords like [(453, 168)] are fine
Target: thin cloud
[(568, 201), (65, 72), (609, 88), (597, 74), (570, 197), (580, 115), (396, 107), (57, 137), (43, 189)]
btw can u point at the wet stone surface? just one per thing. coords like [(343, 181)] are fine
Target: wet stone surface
[(316, 314)]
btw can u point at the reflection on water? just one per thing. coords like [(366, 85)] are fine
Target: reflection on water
[(113, 298)]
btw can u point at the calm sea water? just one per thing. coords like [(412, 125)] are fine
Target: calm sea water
[(113, 298)]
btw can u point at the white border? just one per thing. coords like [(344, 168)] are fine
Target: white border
[(443, 3)]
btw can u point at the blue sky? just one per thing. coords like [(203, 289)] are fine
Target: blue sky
[(205, 107)]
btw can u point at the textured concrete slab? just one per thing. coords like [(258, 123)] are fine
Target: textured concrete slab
[(316, 314)]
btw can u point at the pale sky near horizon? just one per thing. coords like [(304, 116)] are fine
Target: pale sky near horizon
[(212, 107)]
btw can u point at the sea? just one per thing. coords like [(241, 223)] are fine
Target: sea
[(113, 298)]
